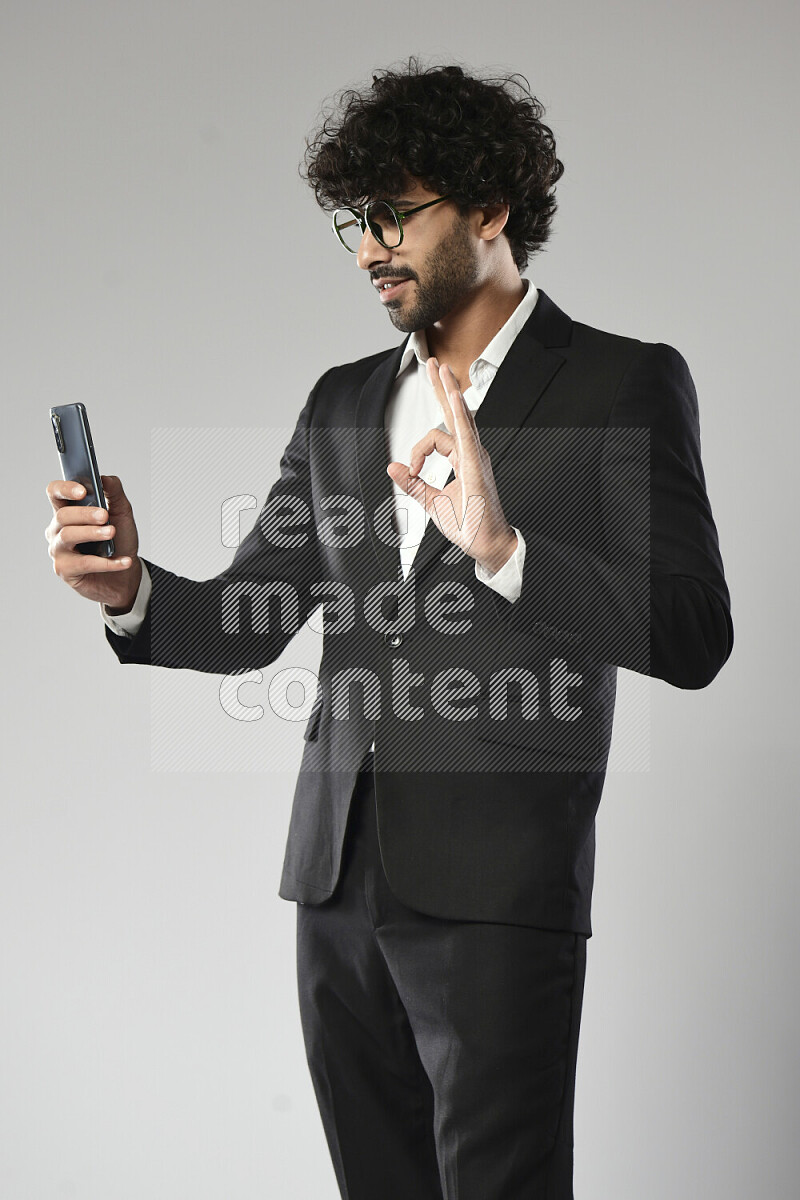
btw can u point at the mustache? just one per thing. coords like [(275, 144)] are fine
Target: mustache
[(386, 274)]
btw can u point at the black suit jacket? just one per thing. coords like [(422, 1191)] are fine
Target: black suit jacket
[(491, 720)]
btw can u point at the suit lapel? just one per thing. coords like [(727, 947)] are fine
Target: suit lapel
[(375, 485), (525, 372)]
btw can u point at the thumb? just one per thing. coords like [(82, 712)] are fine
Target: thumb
[(112, 486), (114, 492)]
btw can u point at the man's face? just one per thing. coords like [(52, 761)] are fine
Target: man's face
[(437, 262)]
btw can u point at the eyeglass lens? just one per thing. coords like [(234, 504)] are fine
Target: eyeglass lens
[(382, 223)]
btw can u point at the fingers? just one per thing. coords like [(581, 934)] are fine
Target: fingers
[(75, 535), (434, 439), (73, 524), (72, 566), (437, 383), (79, 514), (456, 402), (70, 527), (457, 416), (64, 491), (68, 562), (64, 539), (424, 493)]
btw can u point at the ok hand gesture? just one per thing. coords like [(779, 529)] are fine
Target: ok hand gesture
[(467, 510)]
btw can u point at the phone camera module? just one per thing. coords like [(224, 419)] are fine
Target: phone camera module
[(54, 417)]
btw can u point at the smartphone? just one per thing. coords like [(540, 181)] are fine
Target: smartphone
[(76, 454)]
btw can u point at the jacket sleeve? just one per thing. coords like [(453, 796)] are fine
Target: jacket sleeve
[(651, 594), (244, 617)]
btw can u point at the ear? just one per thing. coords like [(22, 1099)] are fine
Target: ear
[(492, 220)]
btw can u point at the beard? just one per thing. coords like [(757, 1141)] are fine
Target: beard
[(451, 272)]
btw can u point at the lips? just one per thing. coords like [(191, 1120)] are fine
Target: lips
[(394, 288)]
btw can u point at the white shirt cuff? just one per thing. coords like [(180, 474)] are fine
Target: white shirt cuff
[(128, 624), (508, 580)]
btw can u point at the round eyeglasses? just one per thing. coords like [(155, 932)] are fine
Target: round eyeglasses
[(385, 223)]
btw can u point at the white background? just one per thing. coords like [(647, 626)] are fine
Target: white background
[(163, 263)]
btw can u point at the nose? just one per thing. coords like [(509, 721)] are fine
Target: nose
[(370, 252)]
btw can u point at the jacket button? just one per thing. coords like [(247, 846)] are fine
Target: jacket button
[(393, 639)]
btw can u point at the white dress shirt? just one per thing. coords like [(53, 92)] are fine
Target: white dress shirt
[(411, 411)]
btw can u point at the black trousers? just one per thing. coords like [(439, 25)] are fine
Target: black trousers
[(442, 1053)]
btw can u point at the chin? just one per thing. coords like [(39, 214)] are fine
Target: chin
[(401, 321)]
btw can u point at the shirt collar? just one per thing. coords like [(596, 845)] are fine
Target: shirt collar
[(499, 346)]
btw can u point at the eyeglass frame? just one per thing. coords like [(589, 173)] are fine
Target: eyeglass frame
[(363, 220)]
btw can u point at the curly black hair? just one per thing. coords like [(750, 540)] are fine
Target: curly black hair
[(482, 141)]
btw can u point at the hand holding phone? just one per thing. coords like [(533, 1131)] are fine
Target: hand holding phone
[(92, 537)]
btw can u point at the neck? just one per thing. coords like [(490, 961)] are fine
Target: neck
[(460, 337)]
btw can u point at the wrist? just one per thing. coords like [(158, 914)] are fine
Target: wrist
[(127, 602), (503, 554)]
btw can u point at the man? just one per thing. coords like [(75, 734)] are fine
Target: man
[(441, 842)]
